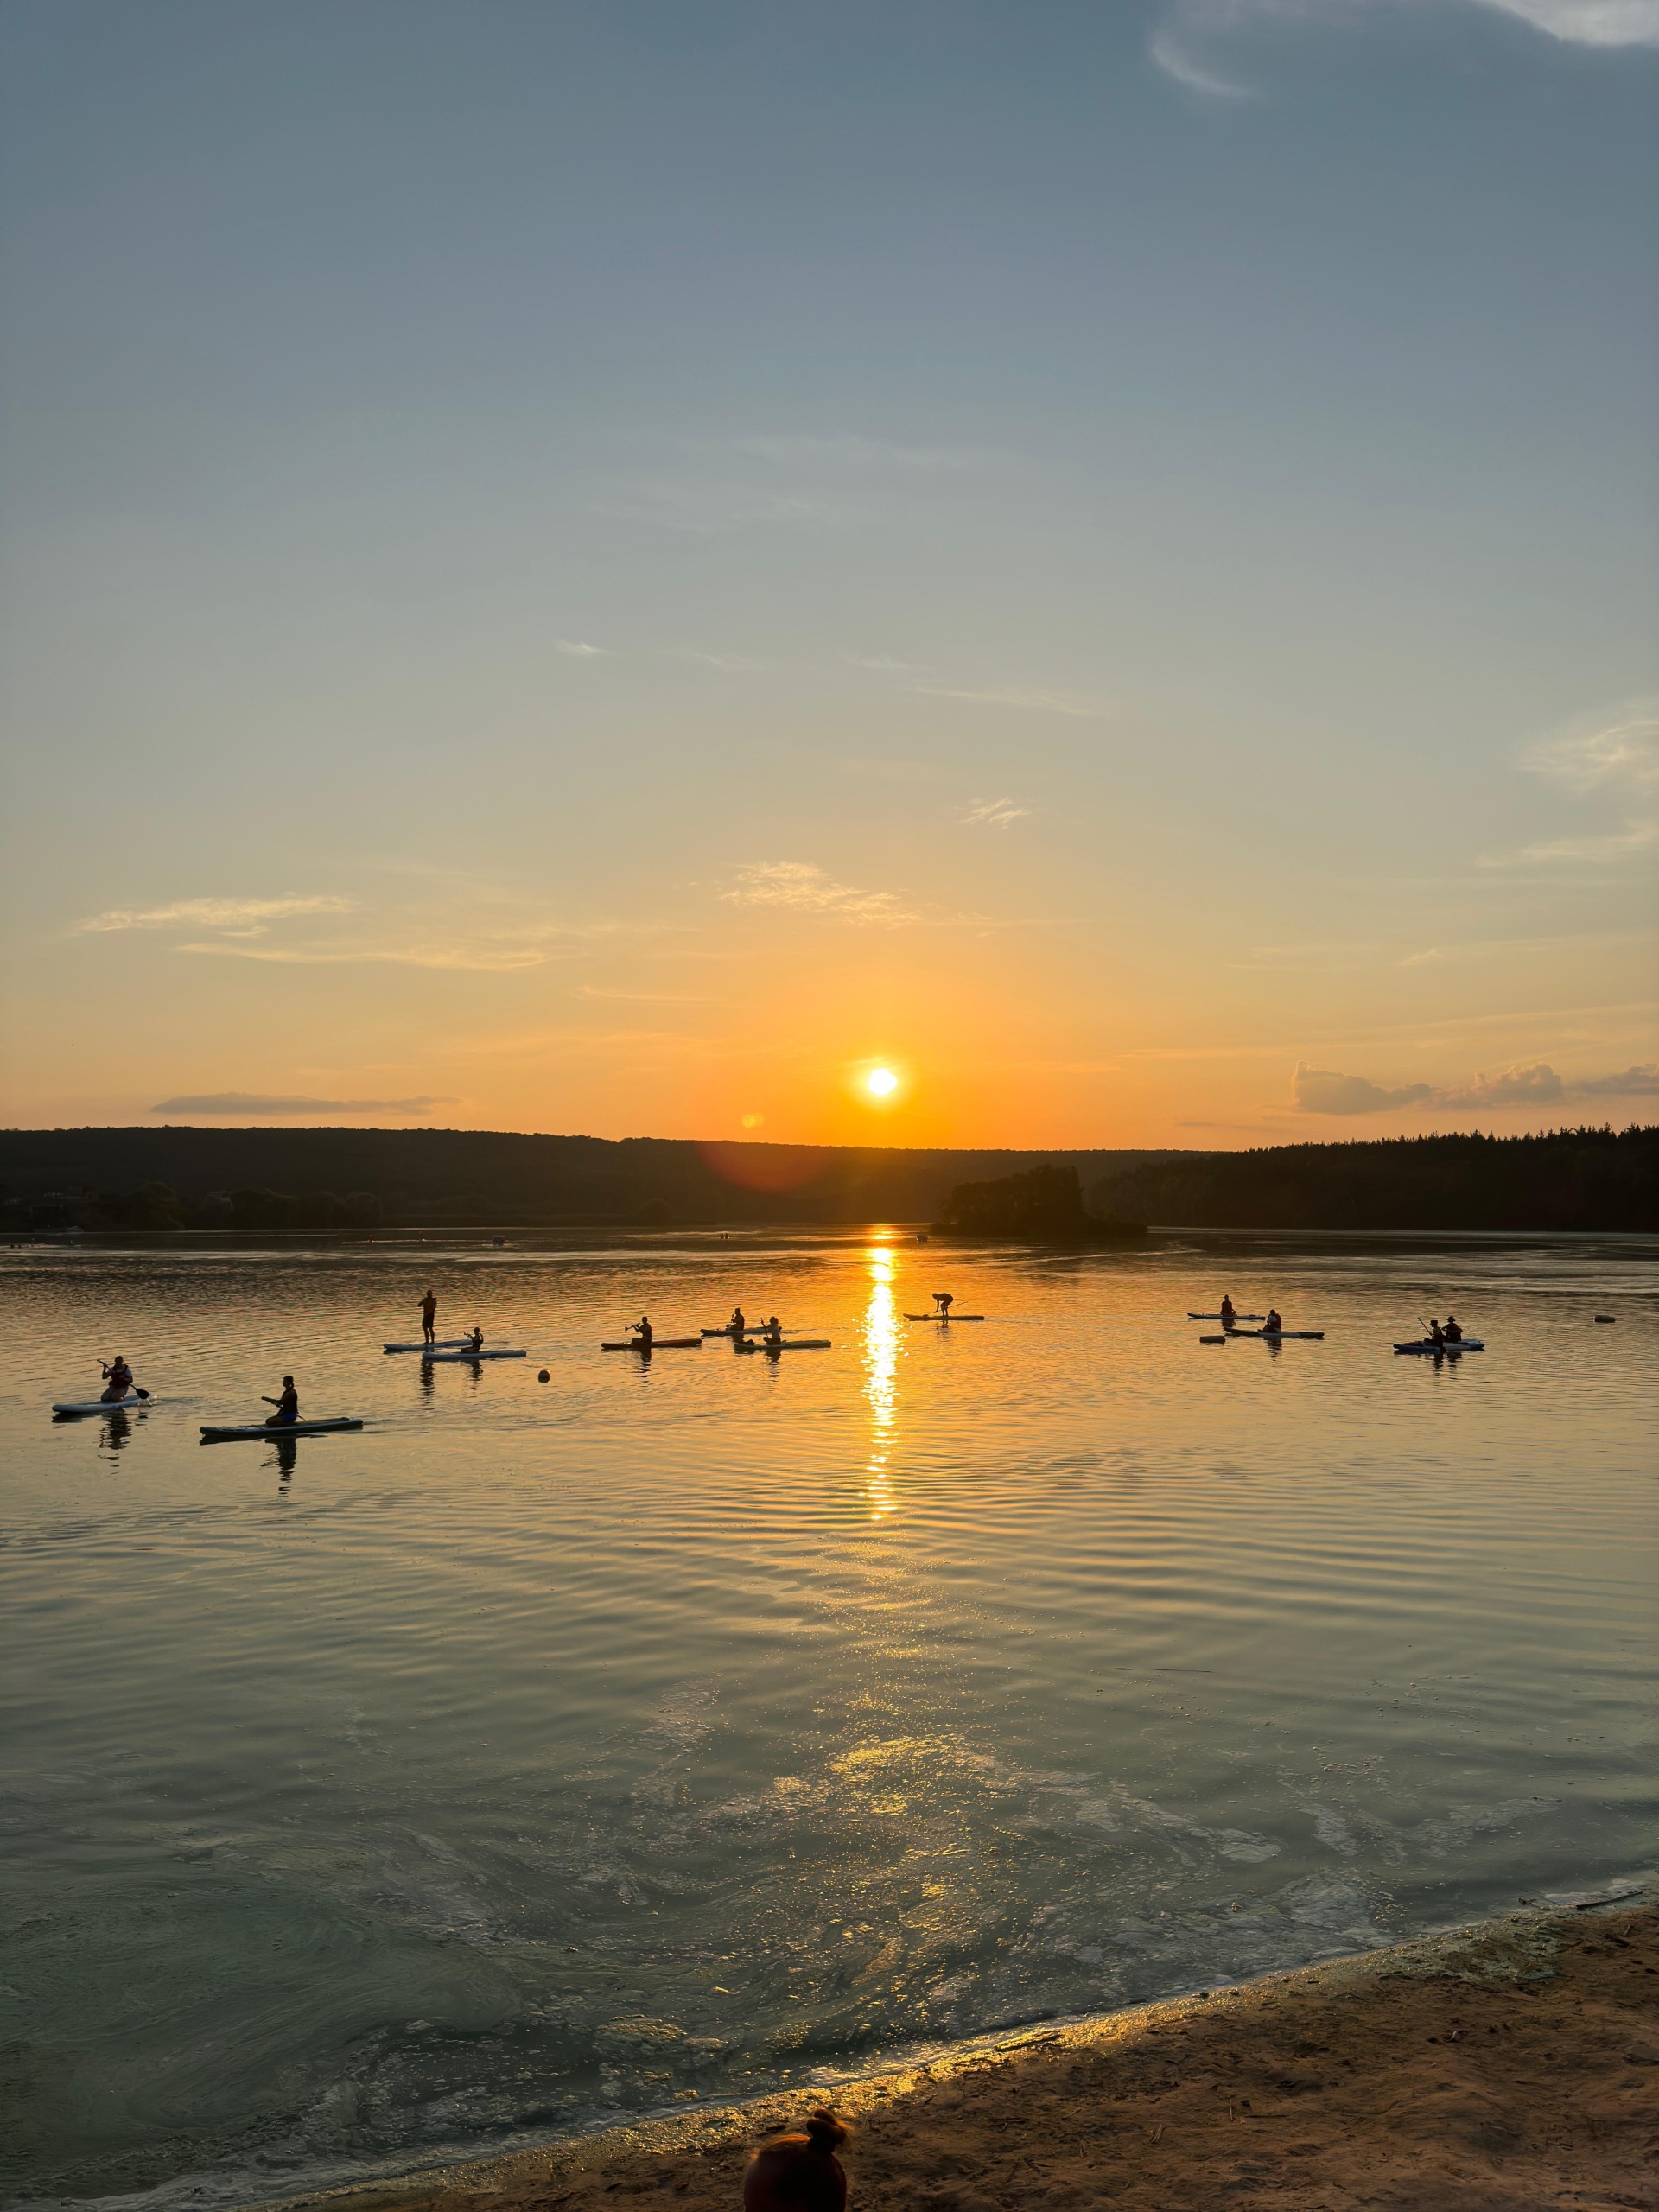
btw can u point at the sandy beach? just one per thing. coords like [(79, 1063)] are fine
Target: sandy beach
[(1515, 2066)]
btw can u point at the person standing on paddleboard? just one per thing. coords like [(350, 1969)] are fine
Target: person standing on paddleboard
[(288, 1406), (118, 1377), (430, 1316), (944, 1299)]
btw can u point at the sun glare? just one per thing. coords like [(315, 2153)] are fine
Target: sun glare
[(881, 1080)]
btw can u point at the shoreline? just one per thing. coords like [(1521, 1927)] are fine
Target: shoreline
[(1505, 2064)]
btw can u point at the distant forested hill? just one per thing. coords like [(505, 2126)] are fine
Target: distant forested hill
[(1568, 1179), (267, 1179)]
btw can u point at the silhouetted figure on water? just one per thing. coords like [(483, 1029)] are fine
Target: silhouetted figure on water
[(799, 2171), (429, 1315), (288, 1406)]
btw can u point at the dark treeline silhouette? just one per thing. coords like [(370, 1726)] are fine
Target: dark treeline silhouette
[(266, 1181), (1565, 1179), (1044, 1204)]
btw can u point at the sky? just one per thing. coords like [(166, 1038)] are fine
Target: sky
[(617, 568)]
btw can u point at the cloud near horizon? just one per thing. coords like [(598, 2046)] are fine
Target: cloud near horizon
[(258, 1102), (1322, 1090)]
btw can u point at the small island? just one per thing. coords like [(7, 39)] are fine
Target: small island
[(1044, 1206)]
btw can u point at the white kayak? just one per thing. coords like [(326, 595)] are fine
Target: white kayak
[(222, 1431), (104, 1405), (486, 1354), (438, 1344), (1463, 1343)]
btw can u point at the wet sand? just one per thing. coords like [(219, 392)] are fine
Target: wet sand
[(1512, 2066)]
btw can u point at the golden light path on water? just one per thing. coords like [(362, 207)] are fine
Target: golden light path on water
[(880, 1379)]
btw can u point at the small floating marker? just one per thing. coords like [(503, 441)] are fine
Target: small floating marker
[(1212, 1340), (543, 1376), (1609, 1318)]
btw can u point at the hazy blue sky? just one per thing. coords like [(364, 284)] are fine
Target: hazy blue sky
[(610, 568)]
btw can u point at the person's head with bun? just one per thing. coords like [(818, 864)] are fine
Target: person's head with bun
[(799, 2171)]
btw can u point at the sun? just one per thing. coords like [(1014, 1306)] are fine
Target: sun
[(881, 1082)]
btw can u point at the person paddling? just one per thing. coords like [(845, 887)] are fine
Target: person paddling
[(737, 1324), (773, 1334), (474, 1340), (944, 1300), (1436, 1334), (1452, 1330), (1228, 1311), (118, 1380), (288, 1406), (641, 1328), (430, 1316), (1273, 1326)]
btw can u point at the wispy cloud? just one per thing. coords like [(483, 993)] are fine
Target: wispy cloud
[(808, 889), (244, 917), (731, 664), (578, 649), (993, 814), (1605, 851), (1622, 751), (648, 998), (243, 1102), (1183, 43), (1015, 695), (487, 959), (1168, 54)]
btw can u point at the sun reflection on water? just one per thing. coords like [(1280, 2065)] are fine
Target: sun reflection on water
[(880, 1383)]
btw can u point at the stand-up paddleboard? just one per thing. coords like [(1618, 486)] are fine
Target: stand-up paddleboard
[(798, 1343), (657, 1344), (1463, 1343), (224, 1431), (438, 1344), (1281, 1336), (105, 1405), (486, 1354), (1191, 1316), (749, 1329), (945, 1317)]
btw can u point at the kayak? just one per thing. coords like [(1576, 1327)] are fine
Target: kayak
[(438, 1344), (945, 1317), (485, 1354), (222, 1431), (800, 1343), (657, 1344), (1463, 1343), (1277, 1336), (103, 1405), (1191, 1316)]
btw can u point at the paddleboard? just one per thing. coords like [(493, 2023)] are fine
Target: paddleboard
[(657, 1344), (1191, 1316), (431, 1357), (945, 1317), (1281, 1336), (800, 1343), (103, 1405), (438, 1344), (222, 1431), (1464, 1343)]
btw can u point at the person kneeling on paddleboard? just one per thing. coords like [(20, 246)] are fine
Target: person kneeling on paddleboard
[(737, 1324), (1273, 1326), (641, 1328), (773, 1333), (475, 1341), (118, 1376), (1229, 1312), (288, 1406), (1453, 1330)]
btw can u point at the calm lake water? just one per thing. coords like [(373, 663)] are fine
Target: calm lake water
[(667, 1732)]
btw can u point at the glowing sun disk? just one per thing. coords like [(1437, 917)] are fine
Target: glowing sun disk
[(881, 1080)]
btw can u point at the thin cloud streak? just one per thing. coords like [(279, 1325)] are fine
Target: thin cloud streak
[(808, 889), (260, 1103), (245, 917), (994, 814), (1013, 695)]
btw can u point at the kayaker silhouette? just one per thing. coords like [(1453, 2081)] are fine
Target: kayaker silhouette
[(288, 1406), (799, 2171), (641, 1328), (429, 1315), (475, 1340)]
